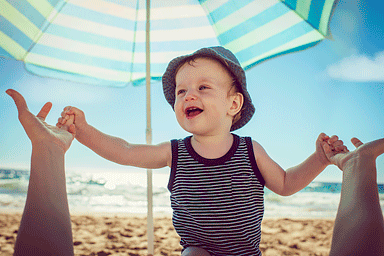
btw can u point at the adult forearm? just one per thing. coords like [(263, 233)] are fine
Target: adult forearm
[(46, 214), (359, 225)]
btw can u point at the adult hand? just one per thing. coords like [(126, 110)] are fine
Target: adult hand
[(327, 147), (367, 151), (38, 131)]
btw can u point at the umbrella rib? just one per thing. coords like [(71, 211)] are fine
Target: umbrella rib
[(134, 41), (45, 26)]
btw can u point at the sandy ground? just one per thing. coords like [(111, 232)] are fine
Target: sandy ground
[(117, 234)]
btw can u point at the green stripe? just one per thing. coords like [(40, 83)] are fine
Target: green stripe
[(325, 16), (13, 48), (42, 6), (310, 37), (303, 7), (18, 19)]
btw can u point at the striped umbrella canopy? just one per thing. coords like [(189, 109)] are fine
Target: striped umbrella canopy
[(103, 41), (121, 42)]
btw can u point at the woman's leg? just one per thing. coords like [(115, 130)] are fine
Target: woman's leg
[(359, 225)]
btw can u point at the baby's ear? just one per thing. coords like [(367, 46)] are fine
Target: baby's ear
[(237, 103)]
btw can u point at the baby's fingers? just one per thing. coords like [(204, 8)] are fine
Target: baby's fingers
[(69, 126), (67, 111)]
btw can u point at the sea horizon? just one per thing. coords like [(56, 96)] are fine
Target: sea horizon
[(125, 192)]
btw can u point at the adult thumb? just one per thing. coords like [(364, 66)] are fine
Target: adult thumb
[(19, 100), (327, 149)]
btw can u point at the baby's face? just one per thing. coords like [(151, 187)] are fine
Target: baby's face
[(202, 96)]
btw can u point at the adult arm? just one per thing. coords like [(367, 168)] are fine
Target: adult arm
[(45, 227), (359, 224)]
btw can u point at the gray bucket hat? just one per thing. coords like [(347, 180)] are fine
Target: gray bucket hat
[(230, 61)]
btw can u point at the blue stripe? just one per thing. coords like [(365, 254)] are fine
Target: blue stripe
[(126, 45), (80, 58), (94, 61), (4, 53), (130, 4), (28, 11), (102, 18), (192, 22), (54, 2), (227, 9), (252, 24), (299, 48), (47, 72), (190, 45), (13, 32), (315, 12), (275, 41), (89, 38), (114, 21), (157, 4), (291, 3)]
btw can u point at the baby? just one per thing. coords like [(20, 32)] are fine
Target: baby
[(217, 178)]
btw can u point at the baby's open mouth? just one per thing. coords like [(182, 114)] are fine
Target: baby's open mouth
[(193, 111)]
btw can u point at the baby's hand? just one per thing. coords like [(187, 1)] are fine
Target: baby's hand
[(329, 147), (79, 118), (332, 147), (67, 121)]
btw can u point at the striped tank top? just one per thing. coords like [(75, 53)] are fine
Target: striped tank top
[(217, 204)]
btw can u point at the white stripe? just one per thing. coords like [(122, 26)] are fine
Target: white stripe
[(76, 68), (104, 52), (93, 27), (196, 33), (214, 4), (109, 8), (160, 13)]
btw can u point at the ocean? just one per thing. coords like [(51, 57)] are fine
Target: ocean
[(125, 192)]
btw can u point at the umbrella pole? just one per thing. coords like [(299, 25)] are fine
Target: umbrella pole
[(149, 133)]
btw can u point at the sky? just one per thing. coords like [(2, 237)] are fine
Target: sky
[(336, 87)]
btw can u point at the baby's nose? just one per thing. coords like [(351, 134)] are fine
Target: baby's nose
[(190, 96)]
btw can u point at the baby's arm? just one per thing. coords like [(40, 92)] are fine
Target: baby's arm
[(116, 149), (298, 177)]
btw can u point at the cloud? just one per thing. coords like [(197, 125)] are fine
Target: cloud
[(359, 68)]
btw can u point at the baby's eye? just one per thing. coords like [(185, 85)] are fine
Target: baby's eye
[(180, 91), (203, 87)]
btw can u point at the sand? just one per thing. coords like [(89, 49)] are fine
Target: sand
[(117, 234)]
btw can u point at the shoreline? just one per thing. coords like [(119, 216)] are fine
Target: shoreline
[(125, 234)]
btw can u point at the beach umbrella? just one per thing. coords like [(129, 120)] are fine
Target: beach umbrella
[(130, 42)]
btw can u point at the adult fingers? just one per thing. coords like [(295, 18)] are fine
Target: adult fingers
[(45, 110)]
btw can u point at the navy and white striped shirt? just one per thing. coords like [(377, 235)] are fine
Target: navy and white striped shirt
[(218, 203)]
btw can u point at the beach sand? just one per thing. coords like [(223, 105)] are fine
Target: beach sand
[(118, 234)]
